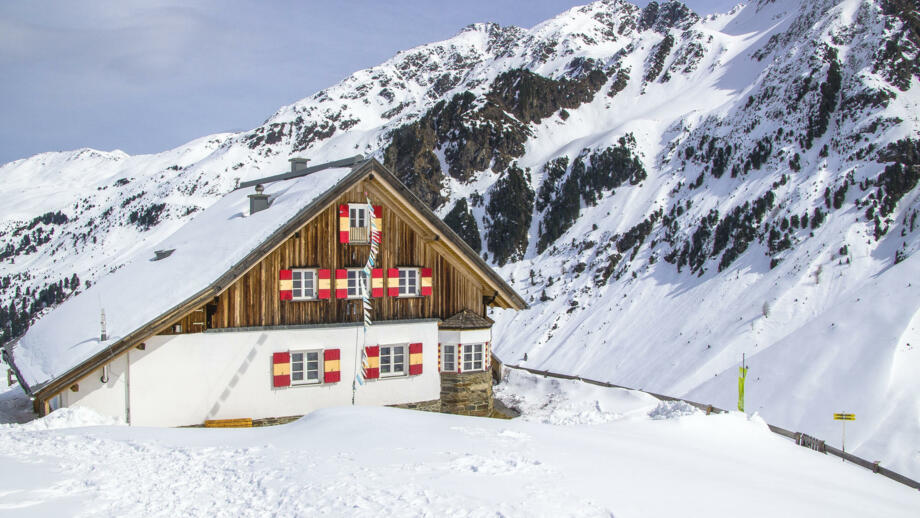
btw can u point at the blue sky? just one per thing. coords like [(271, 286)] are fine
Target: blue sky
[(145, 76)]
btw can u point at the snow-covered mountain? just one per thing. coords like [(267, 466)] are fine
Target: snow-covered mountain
[(668, 191)]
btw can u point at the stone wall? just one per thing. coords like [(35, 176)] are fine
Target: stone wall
[(468, 393), (425, 406), (273, 421)]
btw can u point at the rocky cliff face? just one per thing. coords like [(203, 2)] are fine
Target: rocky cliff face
[(668, 191)]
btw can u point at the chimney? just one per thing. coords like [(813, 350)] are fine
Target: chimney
[(103, 336), (162, 254), (298, 164), (258, 201)]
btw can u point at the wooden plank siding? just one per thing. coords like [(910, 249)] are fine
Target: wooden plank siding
[(253, 299), (194, 322)]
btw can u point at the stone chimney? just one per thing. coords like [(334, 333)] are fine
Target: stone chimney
[(298, 164), (258, 201)]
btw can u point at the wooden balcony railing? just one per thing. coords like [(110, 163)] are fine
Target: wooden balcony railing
[(359, 235)]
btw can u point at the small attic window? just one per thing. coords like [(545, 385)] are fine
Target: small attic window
[(162, 254)]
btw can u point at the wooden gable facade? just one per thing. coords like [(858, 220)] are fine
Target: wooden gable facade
[(408, 240)]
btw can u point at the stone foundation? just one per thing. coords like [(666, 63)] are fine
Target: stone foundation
[(274, 421), (425, 406), (468, 393)]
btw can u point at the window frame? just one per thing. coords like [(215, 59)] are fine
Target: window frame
[(359, 218), (452, 357), (314, 272), (320, 367), (472, 353), (390, 362), (360, 212), (359, 273), (403, 289)]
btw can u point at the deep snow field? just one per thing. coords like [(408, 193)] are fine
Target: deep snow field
[(577, 450)]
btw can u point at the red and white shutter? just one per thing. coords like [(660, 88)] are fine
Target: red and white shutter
[(377, 282), (372, 371), (393, 282), (378, 221), (341, 284), (281, 369), (415, 359), (426, 282), (344, 229), (323, 284), (331, 368), (285, 285)]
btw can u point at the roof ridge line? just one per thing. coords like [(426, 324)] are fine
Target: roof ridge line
[(350, 161)]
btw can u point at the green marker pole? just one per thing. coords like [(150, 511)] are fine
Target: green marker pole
[(742, 373)]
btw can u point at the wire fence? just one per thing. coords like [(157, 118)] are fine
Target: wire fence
[(800, 439)]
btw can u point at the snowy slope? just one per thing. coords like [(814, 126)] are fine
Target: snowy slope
[(745, 124), (621, 454)]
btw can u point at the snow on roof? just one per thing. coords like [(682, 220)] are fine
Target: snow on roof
[(467, 319), (205, 248)]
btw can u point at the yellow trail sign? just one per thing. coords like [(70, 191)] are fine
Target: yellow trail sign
[(845, 417)]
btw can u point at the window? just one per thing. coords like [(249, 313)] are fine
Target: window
[(392, 360), (472, 357), (304, 284), (306, 367), (355, 280), (448, 358), (358, 225), (408, 282), (357, 216)]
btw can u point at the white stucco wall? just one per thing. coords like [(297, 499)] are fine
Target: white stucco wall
[(106, 398), (187, 379), (466, 336)]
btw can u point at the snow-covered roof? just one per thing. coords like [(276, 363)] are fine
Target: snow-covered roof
[(206, 248), (467, 319)]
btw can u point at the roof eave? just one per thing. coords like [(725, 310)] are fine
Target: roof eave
[(11, 361)]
